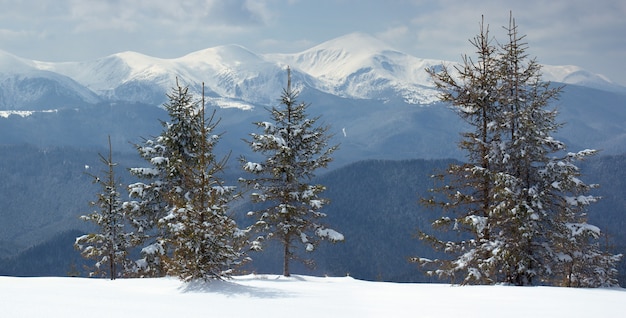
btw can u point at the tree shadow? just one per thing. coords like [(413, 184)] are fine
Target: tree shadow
[(232, 289)]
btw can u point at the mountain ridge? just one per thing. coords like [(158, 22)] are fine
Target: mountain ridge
[(356, 65), (380, 101)]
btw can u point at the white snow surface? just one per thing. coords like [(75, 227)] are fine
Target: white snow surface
[(360, 66), (297, 296), (23, 113), (10, 64)]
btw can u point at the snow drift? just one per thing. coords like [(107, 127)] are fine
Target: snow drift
[(297, 296)]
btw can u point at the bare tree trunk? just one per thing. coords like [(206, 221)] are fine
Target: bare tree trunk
[(287, 257)]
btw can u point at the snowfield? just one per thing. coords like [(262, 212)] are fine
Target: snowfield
[(296, 296)]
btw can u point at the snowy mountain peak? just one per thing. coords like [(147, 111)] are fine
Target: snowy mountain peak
[(360, 66), (575, 75), (354, 43), (232, 54), (339, 57), (24, 84), (133, 58)]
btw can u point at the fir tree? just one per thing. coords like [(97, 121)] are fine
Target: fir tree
[(182, 210), (471, 189), (110, 245), (577, 260), (527, 126), (526, 216), (547, 217), (161, 179), (294, 147), (205, 240)]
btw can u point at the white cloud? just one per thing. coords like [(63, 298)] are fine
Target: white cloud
[(394, 35), (559, 31), (84, 16)]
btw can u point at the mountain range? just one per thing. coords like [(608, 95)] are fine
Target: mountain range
[(355, 66), (378, 102)]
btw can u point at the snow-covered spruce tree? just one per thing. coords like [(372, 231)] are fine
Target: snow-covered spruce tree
[(293, 148), (148, 205), (182, 210), (527, 126), (205, 240), (577, 257), (470, 194), (110, 245), (537, 226), (549, 200), (149, 197)]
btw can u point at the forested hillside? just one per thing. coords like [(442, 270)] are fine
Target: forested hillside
[(609, 172), (44, 191), (374, 203)]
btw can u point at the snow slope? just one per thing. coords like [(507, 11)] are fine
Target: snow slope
[(360, 66), (298, 296), (229, 72), (23, 83), (575, 75), (11, 64)]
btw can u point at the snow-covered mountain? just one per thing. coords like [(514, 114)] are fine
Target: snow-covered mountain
[(366, 90), (360, 66), (229, 72), (575, 75), (356, 66), (26, 86)]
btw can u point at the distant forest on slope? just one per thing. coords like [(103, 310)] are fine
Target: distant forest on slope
[(374, 203)]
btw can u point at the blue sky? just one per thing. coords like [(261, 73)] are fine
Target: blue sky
[(587, 33)]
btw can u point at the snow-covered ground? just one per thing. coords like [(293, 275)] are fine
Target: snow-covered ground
[(297, 296)]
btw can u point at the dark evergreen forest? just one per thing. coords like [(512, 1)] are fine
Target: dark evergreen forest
[(374, 203)]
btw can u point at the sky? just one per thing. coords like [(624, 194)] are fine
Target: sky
[(586, 33)]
